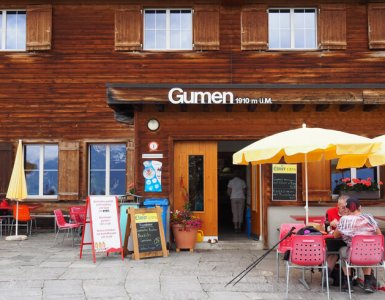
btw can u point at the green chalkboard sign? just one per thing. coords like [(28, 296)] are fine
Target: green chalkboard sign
[(284, 182)]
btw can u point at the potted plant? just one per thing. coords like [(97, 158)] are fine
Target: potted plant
[(184, 227), (359, 188)]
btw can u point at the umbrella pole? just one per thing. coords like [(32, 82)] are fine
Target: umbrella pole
[(306, 193), (17, 218)]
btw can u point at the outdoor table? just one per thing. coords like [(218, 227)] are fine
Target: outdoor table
[(381, 218), (315, 219)]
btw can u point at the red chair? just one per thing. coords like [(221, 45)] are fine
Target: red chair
[(78, 214), (63, 225), (285, 244), (308, 252), (22, 215), (365, 251)]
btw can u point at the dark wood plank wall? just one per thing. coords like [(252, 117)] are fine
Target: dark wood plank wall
[(60, 94)]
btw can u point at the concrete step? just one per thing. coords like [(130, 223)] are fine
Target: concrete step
[(231, 245)]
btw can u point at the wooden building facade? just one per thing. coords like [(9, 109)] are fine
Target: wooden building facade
[(110, 72)]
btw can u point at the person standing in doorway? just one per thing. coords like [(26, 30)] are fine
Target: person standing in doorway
[(236, 189)]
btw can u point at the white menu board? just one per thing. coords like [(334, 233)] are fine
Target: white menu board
[(105, 224)]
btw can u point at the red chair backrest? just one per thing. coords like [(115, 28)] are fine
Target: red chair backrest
[(23, 214), (367, 250), (308, 250), (60, 221), (78, 214), (285, 228)]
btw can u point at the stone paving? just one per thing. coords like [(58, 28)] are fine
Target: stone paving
[(38, 269)]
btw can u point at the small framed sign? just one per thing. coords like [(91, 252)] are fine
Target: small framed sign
[(284, 182)]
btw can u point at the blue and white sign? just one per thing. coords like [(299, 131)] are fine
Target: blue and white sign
[(152, 174)]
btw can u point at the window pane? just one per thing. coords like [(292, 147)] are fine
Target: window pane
[(98, 157), (32, 157), (160, 40), (285, 38), (118, 157), (149, 19), (337, 174), (149, 39), (118, 182), (365, 173), (51, 157), (274, 38), (196, 173), (186, 20), (11, 34), (175, 20), (299, 39), (50, 182), (97, 183), (21, 30), (32, 179), (284, 19), (273, 19), (310, 38), (310, 19), (160, 19), (186, 39), (175, 39)]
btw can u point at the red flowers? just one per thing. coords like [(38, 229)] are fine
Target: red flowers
[(356, 184)]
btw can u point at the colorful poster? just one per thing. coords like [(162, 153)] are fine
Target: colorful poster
[(105, 225), (152, 174)]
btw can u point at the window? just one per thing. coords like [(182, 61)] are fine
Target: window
[(12, 30), (292, 28), (41, 170), (107, 169), (168, 29), (361, 173)]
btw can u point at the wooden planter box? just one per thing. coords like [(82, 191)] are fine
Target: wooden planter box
[(362, 194)]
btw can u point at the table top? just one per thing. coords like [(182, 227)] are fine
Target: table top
[(31, 206), (303, 218), (382, 218)]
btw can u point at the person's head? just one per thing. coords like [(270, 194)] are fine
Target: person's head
[(341, 204), (353, 205)]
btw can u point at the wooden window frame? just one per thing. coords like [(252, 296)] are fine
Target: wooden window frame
[(292, 29), (3, 34), (168, 30)]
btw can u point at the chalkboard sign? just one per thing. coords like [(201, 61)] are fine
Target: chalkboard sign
[(147, 232), (284, 182)]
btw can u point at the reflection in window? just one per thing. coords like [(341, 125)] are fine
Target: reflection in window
[(167, 29), (107, 169), (195, 184), (361, 173), (292, 28), (12, 30), (41, 169)]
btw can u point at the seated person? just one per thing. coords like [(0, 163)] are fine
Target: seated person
[(333, 216), (356, 223)]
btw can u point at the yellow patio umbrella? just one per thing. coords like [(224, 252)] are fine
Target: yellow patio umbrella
[(17, 188), (304, 145), (373, 160)]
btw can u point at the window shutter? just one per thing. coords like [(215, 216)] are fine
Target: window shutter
[(128, 28), (39, 27), (254, 27), (6, 159), (206, 27), (376, 25), (68, 171), (332, 26), (319, 188)]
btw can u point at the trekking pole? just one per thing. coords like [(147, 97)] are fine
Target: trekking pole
[(255, 263)]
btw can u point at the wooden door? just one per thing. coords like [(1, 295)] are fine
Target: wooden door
[(195, 180), (255, 204)]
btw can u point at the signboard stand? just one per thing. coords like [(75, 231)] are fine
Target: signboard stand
[(101, 229), (146, 228)]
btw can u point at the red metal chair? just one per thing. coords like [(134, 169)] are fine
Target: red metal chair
[(23, 216), (285, 244), (63, 225), (308, 252), (365, 251), (78, 214)]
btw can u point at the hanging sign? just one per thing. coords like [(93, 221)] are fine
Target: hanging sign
[(102, 230), (284, 182), (152, 174), (146, 228)]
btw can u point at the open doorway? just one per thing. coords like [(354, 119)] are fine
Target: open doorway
[(226, 172)]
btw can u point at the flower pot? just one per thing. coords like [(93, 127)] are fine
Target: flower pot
[(362, 194), (185, 238)]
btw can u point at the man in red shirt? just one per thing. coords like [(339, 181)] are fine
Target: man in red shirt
[(334, 214)]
